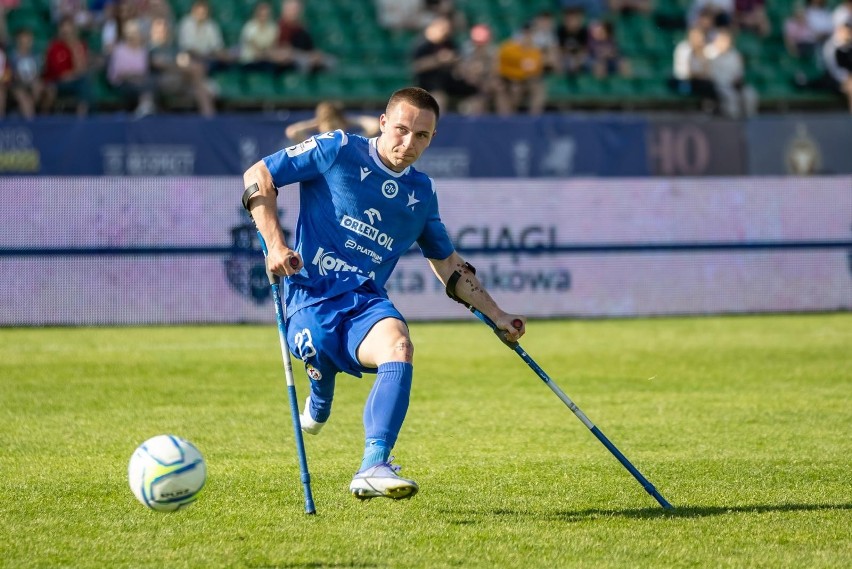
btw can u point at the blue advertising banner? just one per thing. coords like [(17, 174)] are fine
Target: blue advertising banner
[(492, 147)]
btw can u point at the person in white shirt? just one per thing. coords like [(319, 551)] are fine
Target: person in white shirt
[(727, 71), (200, 36)]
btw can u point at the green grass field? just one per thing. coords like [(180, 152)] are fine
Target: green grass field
[(744, 423)]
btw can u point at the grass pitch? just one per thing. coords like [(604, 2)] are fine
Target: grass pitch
[(742, 423)]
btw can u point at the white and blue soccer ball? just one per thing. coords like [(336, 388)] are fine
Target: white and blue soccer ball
[(166, 473)]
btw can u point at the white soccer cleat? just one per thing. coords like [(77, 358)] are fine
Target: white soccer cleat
[(382, 481), (307, 422)]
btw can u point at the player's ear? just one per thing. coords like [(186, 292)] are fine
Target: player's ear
[(383, 120)]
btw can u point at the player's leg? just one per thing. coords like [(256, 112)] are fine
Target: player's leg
[(379, 341), (388, 348), (308, 336)]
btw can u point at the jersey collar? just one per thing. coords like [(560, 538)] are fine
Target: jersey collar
[(374, 154)]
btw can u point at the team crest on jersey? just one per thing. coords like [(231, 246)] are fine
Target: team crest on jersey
[(390, 188), (313, 372)]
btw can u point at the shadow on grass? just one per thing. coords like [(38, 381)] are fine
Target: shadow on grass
[(470, 516)]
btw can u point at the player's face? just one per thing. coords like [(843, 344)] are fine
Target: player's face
[(406, 133)]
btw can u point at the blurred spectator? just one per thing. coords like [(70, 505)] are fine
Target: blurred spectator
[(296, 46), (721, 11), (129, 72), (592, 9), (5, 81), (544, 37), (25, 66), (402, 14), (6, 6), (259, 38), (152, 10), (750, 15), (837, 54), (573, 37), (604, 56), (842, 13), (176, 74), (521, 68), (799, 39), (435, 64), (201, 37), (77, 10), (67, 69), (330, 116), (117, 15), (631, 6), (727, 71), (819, 18), (479, 66), (691, 69), (449, 10)]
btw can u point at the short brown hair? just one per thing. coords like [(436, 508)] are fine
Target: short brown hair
[(420, 98)]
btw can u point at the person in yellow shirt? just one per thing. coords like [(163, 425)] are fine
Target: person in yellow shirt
[(520, 65)]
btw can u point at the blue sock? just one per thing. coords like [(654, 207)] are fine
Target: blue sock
[(385, 410)]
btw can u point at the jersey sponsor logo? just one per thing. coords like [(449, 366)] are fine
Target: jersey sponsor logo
[(301, 148), (371, 213), (365, 172), (305, 344), (368, 231), (412, 201), (351, 244), (327, 262), (390, 188)]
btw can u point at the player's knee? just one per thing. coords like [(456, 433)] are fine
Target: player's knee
[(402, 350)]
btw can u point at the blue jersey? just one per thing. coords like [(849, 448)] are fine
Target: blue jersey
[(356, 216)]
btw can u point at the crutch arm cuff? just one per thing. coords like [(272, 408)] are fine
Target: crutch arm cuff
[(250, 192), (453, 281)]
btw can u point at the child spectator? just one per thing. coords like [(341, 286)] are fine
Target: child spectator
[(573, 37), (521, 68), (25, 66), (604, 56)]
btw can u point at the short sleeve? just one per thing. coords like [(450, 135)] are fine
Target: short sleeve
[(306, 160), (434, 241)]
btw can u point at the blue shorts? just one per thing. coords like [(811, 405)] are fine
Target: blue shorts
[(326, 336)]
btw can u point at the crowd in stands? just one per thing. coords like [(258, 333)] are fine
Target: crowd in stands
[(150, 58)]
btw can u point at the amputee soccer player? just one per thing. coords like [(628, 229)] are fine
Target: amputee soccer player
[(362, 206)]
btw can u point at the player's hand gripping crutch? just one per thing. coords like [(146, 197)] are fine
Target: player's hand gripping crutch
[(281, 317)]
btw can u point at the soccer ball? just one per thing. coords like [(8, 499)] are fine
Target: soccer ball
[(166, 473)]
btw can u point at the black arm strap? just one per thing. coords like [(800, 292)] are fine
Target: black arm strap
[(250, 192), (454, 279)]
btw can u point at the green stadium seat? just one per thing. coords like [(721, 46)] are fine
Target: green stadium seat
[(230, 85)]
